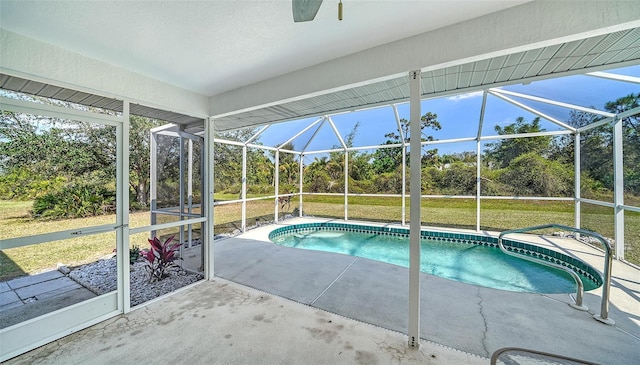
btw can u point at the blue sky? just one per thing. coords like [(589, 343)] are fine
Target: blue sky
[(459, 115)]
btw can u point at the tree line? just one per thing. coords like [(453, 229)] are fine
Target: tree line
[(68, 167)]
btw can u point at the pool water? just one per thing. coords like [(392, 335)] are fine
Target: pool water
[(467, 263)]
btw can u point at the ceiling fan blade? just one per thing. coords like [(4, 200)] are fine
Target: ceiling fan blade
[(305, 10)]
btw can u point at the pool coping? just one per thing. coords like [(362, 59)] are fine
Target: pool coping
[(513, 245)]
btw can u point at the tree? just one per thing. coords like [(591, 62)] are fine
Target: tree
[(388, 159), (37, 149), (289, 166), (139, 156), (228, 163), (501, 153)]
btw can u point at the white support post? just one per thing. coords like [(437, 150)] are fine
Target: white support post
[(203, 199), (301, 165), (576, 181), (404, 166), (208, 235), (346, 185), (618, 189), (415, 218), (153, 178), (181, 184), (122, 211), (478, 183), (190, 190), (276, 177), (243, 192), (479, 159)]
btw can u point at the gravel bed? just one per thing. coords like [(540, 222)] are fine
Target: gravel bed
[(101, 277)]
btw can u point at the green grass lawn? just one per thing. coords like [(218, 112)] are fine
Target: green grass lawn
[(496, 215)]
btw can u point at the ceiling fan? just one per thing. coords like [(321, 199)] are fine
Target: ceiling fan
[(306, 10)]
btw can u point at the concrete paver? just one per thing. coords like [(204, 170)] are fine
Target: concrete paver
[(34, 279), (46, 286), (4, 287), (43, 305), (32, 296), (8, 297)]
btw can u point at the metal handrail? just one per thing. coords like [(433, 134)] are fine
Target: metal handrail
[(606, 286), (579, 292)]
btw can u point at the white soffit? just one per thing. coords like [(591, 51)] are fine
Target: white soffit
[(31, 87), (581, 56)]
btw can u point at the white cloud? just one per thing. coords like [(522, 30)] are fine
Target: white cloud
[(465, 96)]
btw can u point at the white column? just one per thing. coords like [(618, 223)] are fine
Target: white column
[(190, 189), (122, 210), (346, 185), (208, 199), (153, 178), (244, 188), (479, 159), (404, 165), (576, 181), (276, 177), (301, 166), (618, 189), (414, 210), (478, 183), (181, 184)]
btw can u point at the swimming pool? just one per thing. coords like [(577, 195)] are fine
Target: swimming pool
[(472, 259)]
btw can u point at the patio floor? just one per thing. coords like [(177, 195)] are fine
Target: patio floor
[(316, 307)]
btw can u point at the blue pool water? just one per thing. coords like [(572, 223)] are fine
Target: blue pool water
[(468, 263)]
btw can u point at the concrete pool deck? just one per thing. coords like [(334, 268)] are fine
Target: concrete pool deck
[(469, 318), (224, 321)]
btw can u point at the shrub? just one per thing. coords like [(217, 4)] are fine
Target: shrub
[(160, 257), (134, 254), (533, 175), (22, 184), (75, 201)]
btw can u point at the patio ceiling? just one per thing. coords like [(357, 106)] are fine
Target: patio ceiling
[(235, 45), (581, 56)]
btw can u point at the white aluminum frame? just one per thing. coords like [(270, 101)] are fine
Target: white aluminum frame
[(35, 332)]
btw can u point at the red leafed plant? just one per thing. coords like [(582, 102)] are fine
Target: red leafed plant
[(160, 257)]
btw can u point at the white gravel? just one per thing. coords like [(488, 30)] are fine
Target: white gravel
[(100, 277)]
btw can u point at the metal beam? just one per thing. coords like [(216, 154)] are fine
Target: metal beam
[(576, 181), (244, 189), (301, 166), (404, 165), (276, 177), (479, 158), (553, 102), (302, 131), (618, 188), (208, 199), (532, 110), (122, 210), (335, 130), (253, 138), (313, 135), (415, 224), (610, 76)]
